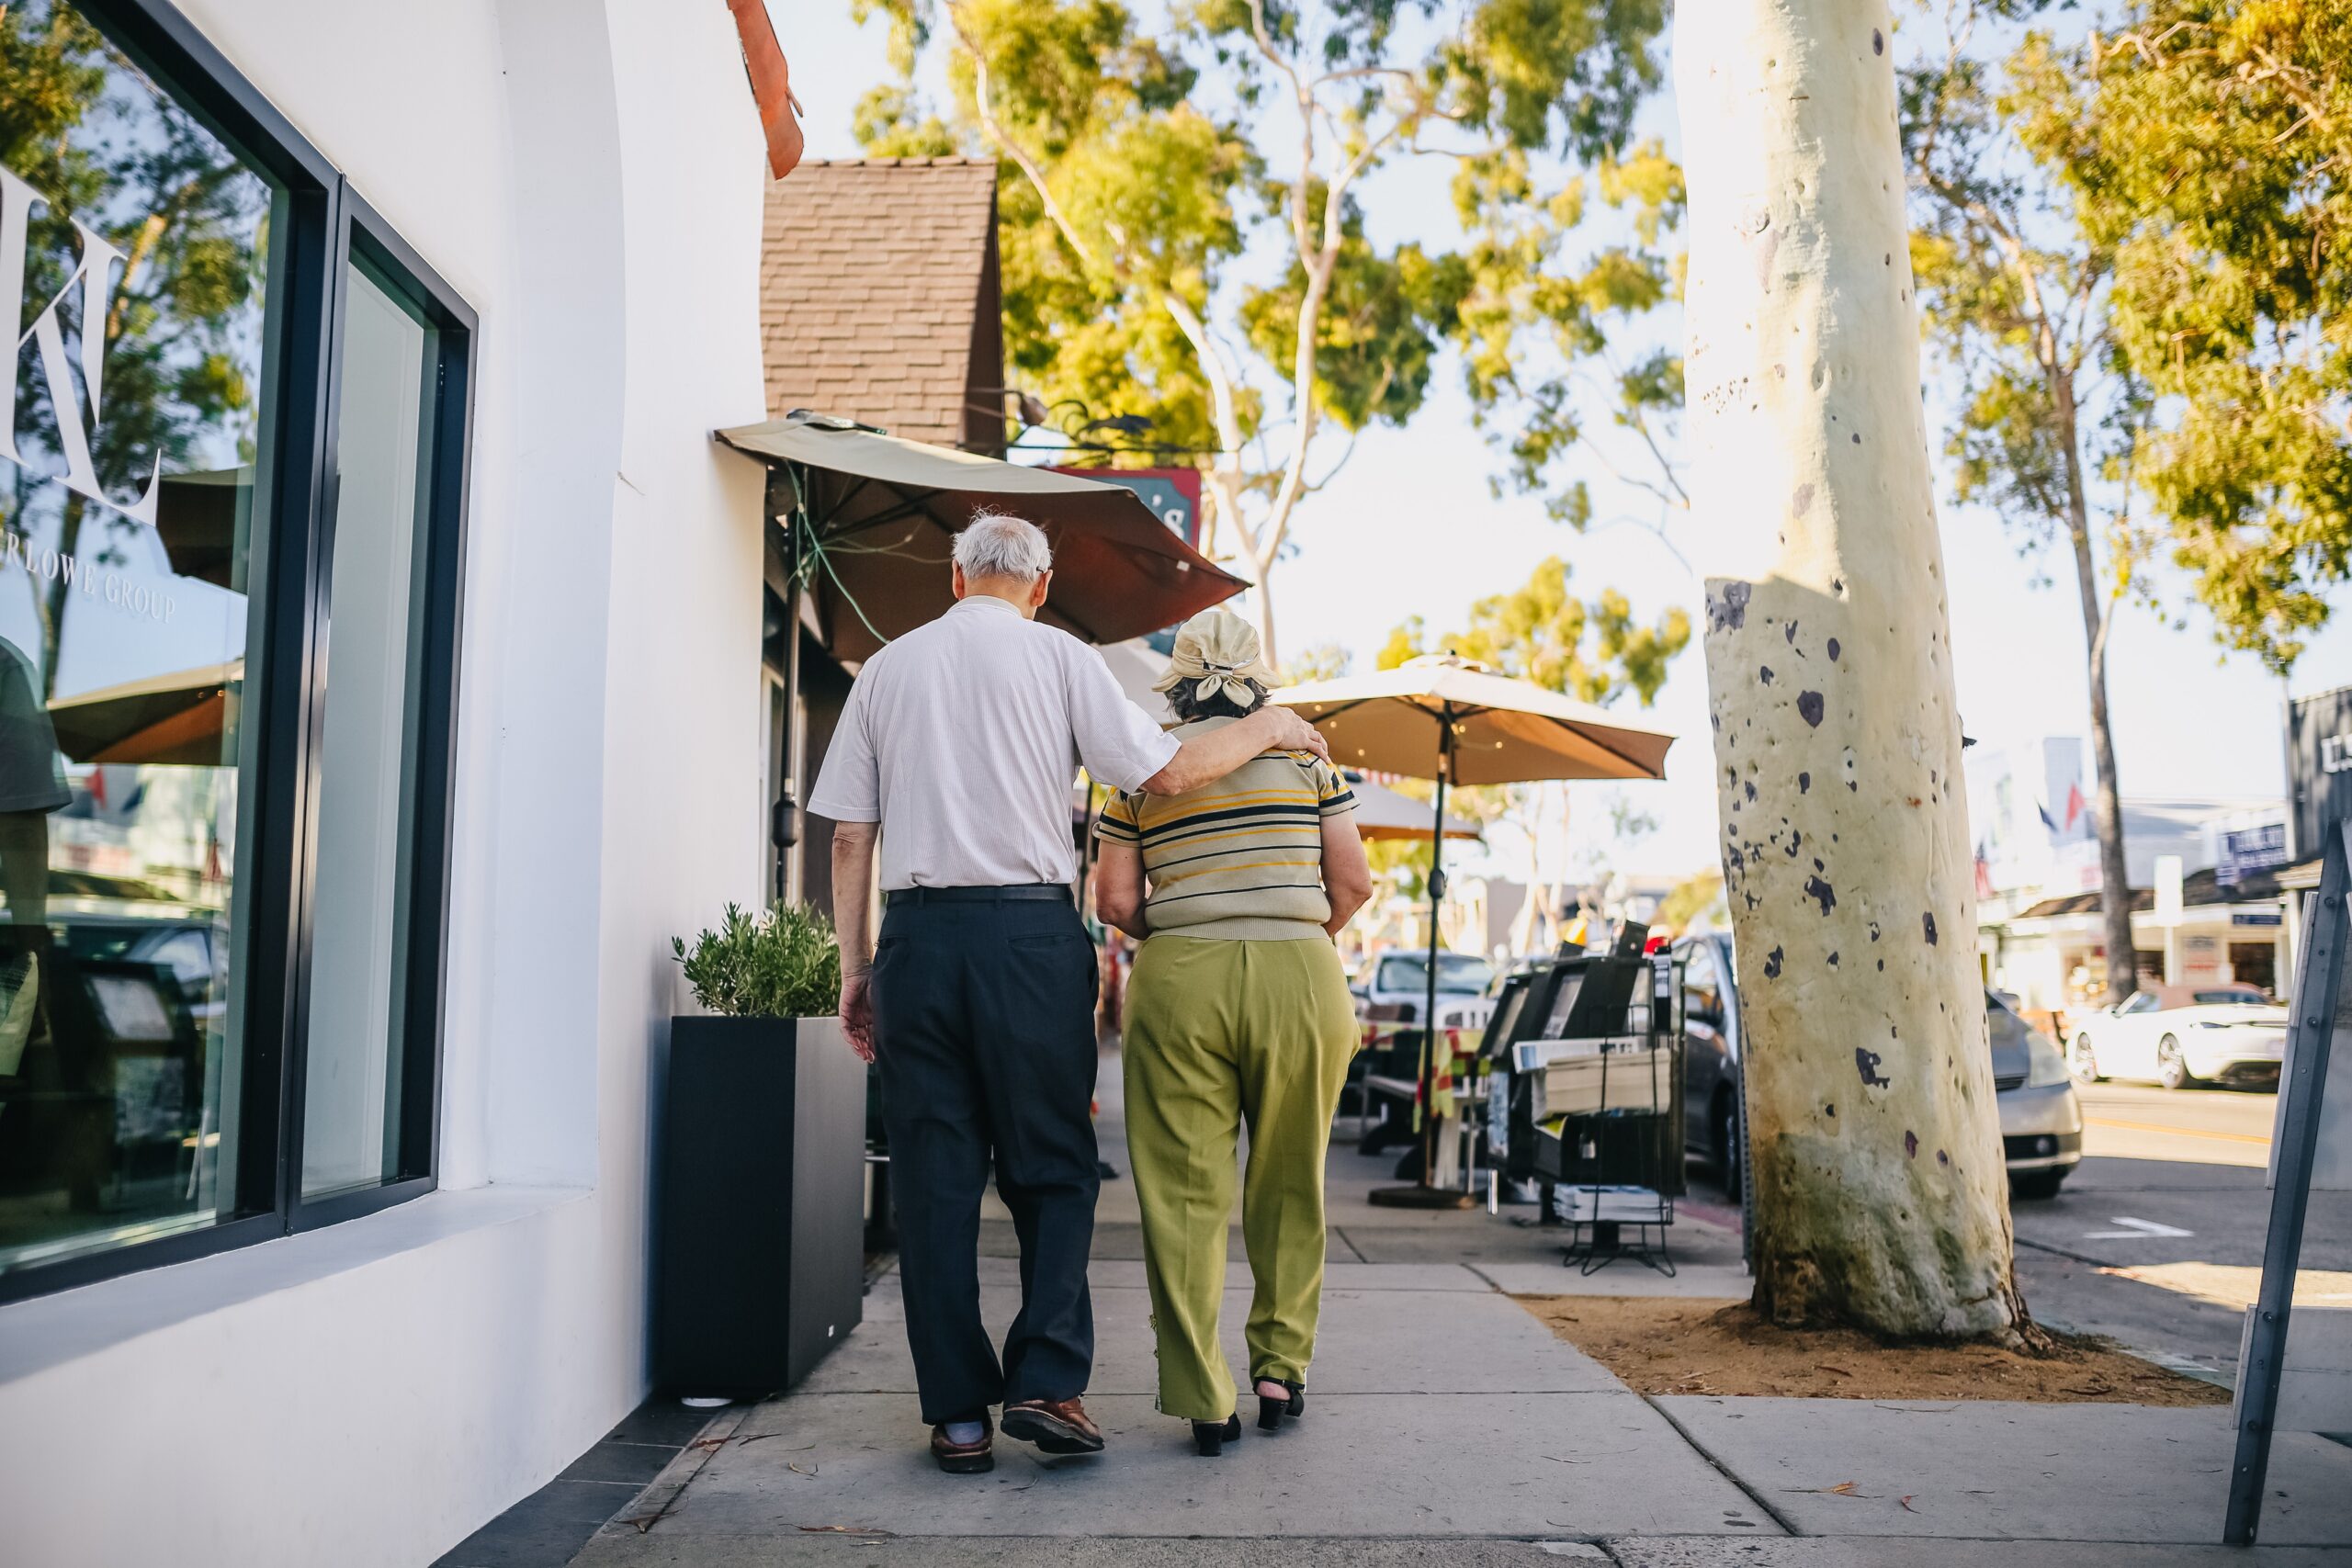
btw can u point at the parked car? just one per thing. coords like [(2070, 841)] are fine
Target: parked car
[(2181, 1036), (1401, 980), (2041, 1120)]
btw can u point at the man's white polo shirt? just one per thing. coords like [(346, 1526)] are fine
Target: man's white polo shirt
[(961, 739)]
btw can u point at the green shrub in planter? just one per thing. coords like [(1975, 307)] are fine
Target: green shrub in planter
[(779, 963)]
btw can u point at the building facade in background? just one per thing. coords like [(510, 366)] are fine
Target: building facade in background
[(2040, 928), (379, 688)]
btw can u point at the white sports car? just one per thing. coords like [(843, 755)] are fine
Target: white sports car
[(2180, 1037)]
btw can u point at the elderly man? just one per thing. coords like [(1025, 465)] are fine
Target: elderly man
[(957, 751)]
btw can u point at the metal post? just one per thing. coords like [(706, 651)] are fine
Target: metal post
[(1422, 1194), (2311, 1027), (784, 815), (1429, 1005)]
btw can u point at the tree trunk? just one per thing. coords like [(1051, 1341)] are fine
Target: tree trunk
[(1881, 1193), (2114, 871)]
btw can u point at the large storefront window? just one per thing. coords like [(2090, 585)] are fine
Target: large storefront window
[(231, 449), (352, 1122)]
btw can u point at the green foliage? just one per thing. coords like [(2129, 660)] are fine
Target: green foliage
[(1381, 324), (1592, 651), (1543, 309), (1137, 216), (1694, 897), (2133, 252), (2211, 153), (1323, 662), (780, 963)]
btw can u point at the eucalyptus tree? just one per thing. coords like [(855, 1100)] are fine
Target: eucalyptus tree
[(1881, 1193), (2015, 290)]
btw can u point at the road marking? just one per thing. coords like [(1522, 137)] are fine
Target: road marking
[(2142, 1230), (2178, 1132)]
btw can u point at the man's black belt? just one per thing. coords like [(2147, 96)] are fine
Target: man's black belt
[(1023, 891)]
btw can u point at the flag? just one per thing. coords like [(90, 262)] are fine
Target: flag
[(2076, 805), (2043, 812), (1984, 874)]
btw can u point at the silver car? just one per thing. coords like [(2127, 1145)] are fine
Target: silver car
[(2041, 1120)]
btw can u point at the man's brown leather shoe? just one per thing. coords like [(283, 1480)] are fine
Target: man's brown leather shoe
[(1057, 1425), (963, 1458)]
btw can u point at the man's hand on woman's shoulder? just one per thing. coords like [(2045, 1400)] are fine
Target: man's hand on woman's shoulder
[(1295, 734)]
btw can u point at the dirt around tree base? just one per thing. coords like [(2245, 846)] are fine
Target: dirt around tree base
[(1679, 1345)]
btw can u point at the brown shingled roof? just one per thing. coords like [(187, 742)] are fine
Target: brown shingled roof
[(879, 296)]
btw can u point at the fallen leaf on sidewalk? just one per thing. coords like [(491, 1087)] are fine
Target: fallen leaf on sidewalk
[(1905, 1501), (844, 1530), (1840, 1370), (1843, 1489), (713, 1444), (797, 1469)]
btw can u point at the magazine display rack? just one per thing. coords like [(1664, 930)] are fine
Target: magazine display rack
[(1586, 1098)]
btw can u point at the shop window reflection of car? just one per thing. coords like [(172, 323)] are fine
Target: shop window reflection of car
[(2042, 1118)]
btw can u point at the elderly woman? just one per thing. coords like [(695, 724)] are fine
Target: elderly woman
[(1238, 1010)]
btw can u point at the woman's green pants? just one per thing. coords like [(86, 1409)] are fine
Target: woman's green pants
[(1220, 1034)]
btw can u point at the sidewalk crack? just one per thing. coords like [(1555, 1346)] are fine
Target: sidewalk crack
[(1721, 1469)]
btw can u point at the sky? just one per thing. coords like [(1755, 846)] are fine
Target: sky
[(1408, 528)]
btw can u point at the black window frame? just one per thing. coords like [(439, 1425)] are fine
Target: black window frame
[(327, 224)]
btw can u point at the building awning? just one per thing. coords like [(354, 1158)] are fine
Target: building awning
[(883, 514), (2197, 888)]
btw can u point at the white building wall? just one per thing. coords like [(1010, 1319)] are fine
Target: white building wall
[(589, 177)]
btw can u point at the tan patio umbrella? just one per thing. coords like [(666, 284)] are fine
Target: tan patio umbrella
[(1447, 719), (1384, 814)]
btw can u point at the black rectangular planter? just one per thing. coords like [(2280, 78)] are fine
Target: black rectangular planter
[(758, 1265)]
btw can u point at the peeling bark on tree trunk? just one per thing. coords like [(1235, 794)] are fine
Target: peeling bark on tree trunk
[(1881, 1193)]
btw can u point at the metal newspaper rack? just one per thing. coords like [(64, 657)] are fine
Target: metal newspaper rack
[(1586, 1098)]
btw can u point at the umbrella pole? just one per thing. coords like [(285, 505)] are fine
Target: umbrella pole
[(1424, 1194)]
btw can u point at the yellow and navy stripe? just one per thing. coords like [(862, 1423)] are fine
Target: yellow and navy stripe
[(1240, 853)]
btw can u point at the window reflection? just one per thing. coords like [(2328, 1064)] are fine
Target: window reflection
[(138, 247)]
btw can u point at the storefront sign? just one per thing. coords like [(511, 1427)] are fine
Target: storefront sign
[(2256, 917), (2319, 766), (2249, 849), (93, 276), (114, 588)]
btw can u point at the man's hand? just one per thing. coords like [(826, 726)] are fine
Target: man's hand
[(857, 1015), (1295, 734)]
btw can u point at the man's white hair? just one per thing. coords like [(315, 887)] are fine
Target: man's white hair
[(997, 544)]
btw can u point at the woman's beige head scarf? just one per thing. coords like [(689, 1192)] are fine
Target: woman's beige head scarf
[(1215, 647)]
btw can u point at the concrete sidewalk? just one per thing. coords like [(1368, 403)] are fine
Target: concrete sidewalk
[(1447, 1424)]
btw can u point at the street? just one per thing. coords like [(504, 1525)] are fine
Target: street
[(2156, 1239)]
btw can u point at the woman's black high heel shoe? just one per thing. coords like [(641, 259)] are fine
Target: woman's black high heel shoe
[(1210, 1437), (1271, 1411)]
